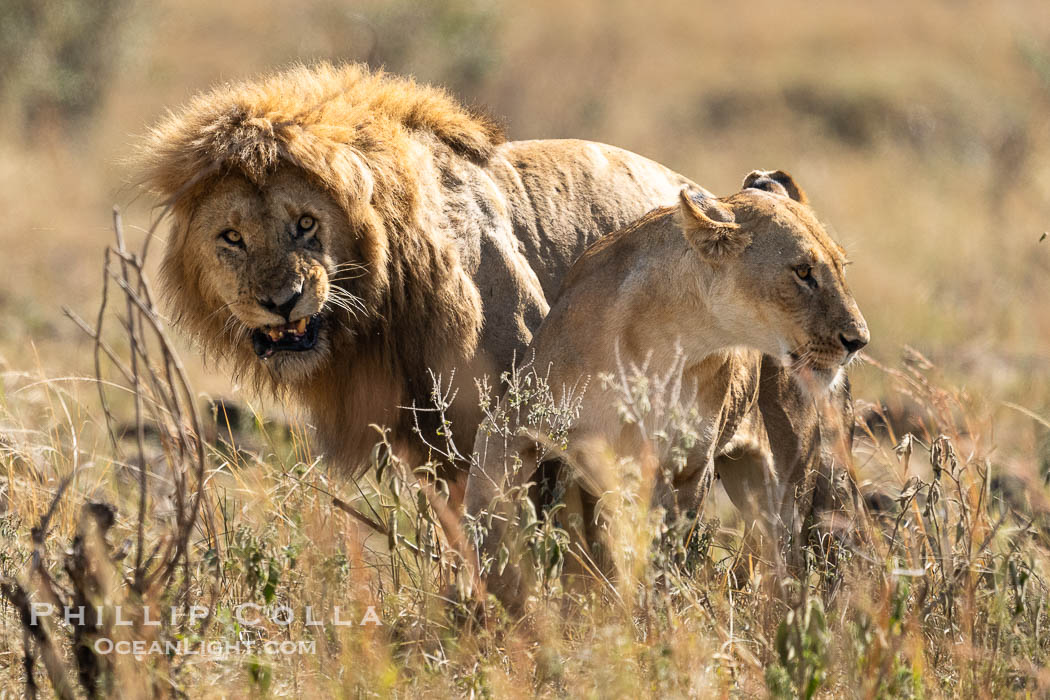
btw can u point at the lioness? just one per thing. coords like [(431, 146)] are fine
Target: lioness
[(726, 280), (338, 234)]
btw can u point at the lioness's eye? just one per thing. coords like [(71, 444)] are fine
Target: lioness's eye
[(232, 237), (306, 223), (804, 272)]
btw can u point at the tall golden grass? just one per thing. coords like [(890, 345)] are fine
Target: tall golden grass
[(939, 589)]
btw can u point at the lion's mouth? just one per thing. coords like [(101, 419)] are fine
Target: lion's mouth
[(295, 336)]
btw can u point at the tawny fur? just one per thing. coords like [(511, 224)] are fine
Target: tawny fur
[(463, 239), (462, 235), (716, 278), (310, 117)]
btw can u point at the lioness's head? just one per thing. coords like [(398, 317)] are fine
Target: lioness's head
[(275, 265), (781, 276)]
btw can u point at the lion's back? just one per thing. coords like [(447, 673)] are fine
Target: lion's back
[(564, 194)]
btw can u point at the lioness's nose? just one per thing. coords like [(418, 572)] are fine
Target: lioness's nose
[(854, 340)]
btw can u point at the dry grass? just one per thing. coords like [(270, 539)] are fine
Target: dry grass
[(939, 591), (920, 132)]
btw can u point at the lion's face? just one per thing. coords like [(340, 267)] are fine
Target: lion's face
[(789, 296), (271, 262)]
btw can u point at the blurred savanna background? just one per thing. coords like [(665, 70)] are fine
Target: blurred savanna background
[(921, 132)]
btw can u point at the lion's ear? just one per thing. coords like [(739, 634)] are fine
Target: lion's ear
[(777, 182), (709, 227)]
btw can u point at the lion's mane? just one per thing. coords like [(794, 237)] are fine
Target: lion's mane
[(358, 133)]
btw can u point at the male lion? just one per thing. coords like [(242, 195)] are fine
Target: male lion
[(339, 234), (702, 289)]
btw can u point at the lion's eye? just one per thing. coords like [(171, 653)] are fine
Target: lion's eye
[(306, 223), (232, 237)]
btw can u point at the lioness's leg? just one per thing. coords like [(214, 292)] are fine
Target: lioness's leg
[(836, 501), (811, 438), (748, 476), (589, 558)]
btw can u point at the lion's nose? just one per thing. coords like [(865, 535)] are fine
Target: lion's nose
[(854, 340), (282, 305)]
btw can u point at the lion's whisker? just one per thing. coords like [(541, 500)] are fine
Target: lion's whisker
[(345, 304), (221, 308), (232, 326), (349, 299), (333, 280), (347, 267)]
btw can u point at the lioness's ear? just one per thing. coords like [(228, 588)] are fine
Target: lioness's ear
[(777, 182), (709, 227)]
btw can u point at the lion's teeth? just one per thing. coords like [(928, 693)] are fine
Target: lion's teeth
[(274, 334), (300, 326)]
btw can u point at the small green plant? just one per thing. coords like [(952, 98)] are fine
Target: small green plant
[(801, 646)]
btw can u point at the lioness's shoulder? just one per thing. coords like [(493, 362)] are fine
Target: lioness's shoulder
[(621, 248)]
